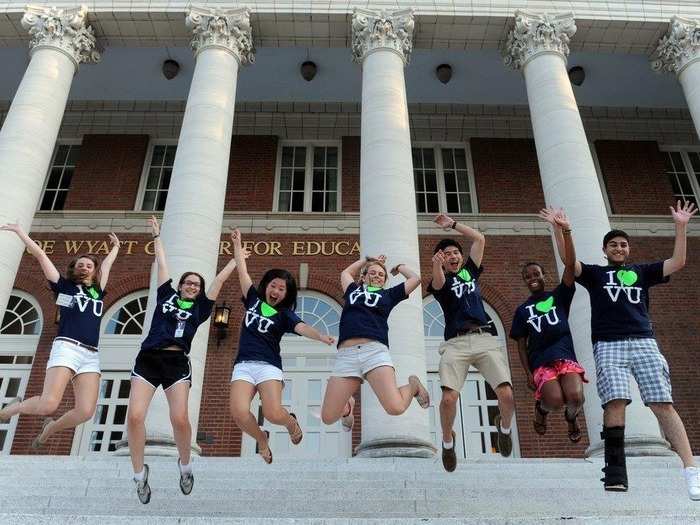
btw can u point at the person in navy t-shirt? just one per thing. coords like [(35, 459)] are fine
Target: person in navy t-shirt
[(269, 314), (363, 342), (624, 346), (541, 328), (74, 354), (163, 361)]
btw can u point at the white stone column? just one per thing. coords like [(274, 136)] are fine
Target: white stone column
[(388, 224), (193, 215), (538, 45), (679, 52), (60, 41)]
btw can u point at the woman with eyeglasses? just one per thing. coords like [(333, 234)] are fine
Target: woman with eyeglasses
[(163, 361)]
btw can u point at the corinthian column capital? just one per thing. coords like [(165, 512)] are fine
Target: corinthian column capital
[(538, 33), (679, 47), (373, 30), (227, 29), (62, 29)]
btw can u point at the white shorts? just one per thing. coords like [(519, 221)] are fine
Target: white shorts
[(359, 360), (256, 372), (79, 360)]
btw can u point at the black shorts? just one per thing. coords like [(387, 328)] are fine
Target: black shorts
[(162, 367)]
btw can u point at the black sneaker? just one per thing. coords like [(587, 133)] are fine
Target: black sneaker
[(186, 480), (143, 489), (505, 442), (449, 456)]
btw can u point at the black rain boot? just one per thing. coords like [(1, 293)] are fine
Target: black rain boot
[(615, 470)]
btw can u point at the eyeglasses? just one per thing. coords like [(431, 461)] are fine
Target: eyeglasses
[(191, 283)]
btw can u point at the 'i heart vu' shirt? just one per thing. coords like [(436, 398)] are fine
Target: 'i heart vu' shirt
[(620, 299), (81, 309), (262, 330), (544, 320)]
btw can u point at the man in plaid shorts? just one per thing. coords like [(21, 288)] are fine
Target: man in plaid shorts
[(624, 345)]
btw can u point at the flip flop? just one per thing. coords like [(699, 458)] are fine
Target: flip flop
[(541, 424), (267, 457), (422, 395), (347, 421), (295, 435), (574, 429), (36, 442)]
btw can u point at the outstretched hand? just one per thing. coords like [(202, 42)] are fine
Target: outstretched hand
[(561, 219), (327, 339), (395, 270), (439, 258), (444, 220), (236, 237), (683, 213), (12, 227), (155, 227), (114, 239), (549, 214)]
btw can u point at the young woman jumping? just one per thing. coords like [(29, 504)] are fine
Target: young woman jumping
[(163, 361), (363, 342), (74, 355), (258, 367)]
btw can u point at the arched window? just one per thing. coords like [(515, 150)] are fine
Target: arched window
[(319, 311), (434, 319), (128, 316), (21, 316)]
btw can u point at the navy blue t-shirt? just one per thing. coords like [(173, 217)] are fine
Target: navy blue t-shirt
[(366, 311), (543, 320), (175, 322), (81, 309), (620, 299), (460, 299), (262, 329)]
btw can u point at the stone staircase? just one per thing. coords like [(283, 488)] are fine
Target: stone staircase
[(99, 491)]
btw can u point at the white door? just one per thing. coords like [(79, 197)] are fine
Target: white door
[(302, 394), (13, 383)]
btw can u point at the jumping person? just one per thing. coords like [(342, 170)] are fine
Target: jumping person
[(455, 286), (541, 328), (258, 366), (74, 351), (363, 342), (163, 361), (624, 345)]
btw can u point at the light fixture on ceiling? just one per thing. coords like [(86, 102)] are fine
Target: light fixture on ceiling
[(308, 70), (444, 73), (577, 75), (170, 69)]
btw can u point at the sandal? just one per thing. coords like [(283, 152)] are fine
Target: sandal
[(421, 395), (36, 442), (574, 430), (540, 421), (265, 453), (11, 402), (348, 420), (296, 434)]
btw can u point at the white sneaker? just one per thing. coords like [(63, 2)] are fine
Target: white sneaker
[(692, 478)]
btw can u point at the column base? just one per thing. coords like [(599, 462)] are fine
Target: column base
[(635, 445), (156, 447), (395, 447)]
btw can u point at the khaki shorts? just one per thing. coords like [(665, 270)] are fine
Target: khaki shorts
[(484, 351)]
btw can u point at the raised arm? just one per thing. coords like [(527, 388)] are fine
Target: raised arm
[(550, 215), (438, 271), (223, 275), (681, 216), (50, 271), (163, 272), (108, 261), (478, 241), (564, 227), (239, 256), (305, 330), (412, 278), (522, 353), (351, 273)]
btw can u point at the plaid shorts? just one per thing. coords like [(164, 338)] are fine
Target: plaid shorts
[(616, 360)]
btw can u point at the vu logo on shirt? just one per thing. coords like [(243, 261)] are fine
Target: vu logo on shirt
[(170, 306), (549, 313), (252, 316), (620, 282), (371, 299), (83, 300), (459, 287)]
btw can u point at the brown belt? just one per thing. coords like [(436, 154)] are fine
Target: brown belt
[(76, 343), (473, 330)]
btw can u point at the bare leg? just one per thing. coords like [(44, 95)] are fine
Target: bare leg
[(614, 413), (448, 412), (139, 400), (506, 403), (572, 387), (242, 393), (395, 400), (55, 382), (552, 396), (85, 388), (177, 396), (336, 400), (674, 431)]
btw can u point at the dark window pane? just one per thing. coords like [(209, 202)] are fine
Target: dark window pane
[(465, 203), (318, 180), (429, 158), (285, 199), (25, 359), (165, 178), (417, 161), (685, 184), (431, 181), (61, 154), (54, 178), (490, 394), (73, 155), (162, 197), (60, 200), (460, 159), (299, 157), (153, 178), (433, 206), (677, 161), (319, 157), (418, 178), (674, 183), (106, 388), (450, 182), (669, 162), (158, 155), (317, 201), (47, 201), (331, 180), (299, 179), (286, 180), (67, 177), (332, 157), (3, 435), (8, 359), (12, 387), (447, 162), (331, 201), (452, 203), (695, 162), (420, 203), (170, 155), (462, 181), (120, 414), (287, 156), (149, 200), (297, 201), (124, 389)]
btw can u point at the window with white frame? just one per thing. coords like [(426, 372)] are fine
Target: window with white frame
[(129, 318), (683, 170), (319, 312), (21, 317), (308, 178), (443, 179), (58, 180), (157, 173)]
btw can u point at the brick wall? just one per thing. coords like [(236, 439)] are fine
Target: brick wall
[(108, 172), (507, 176), (351, 174), (635, 177), (251, 176)]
